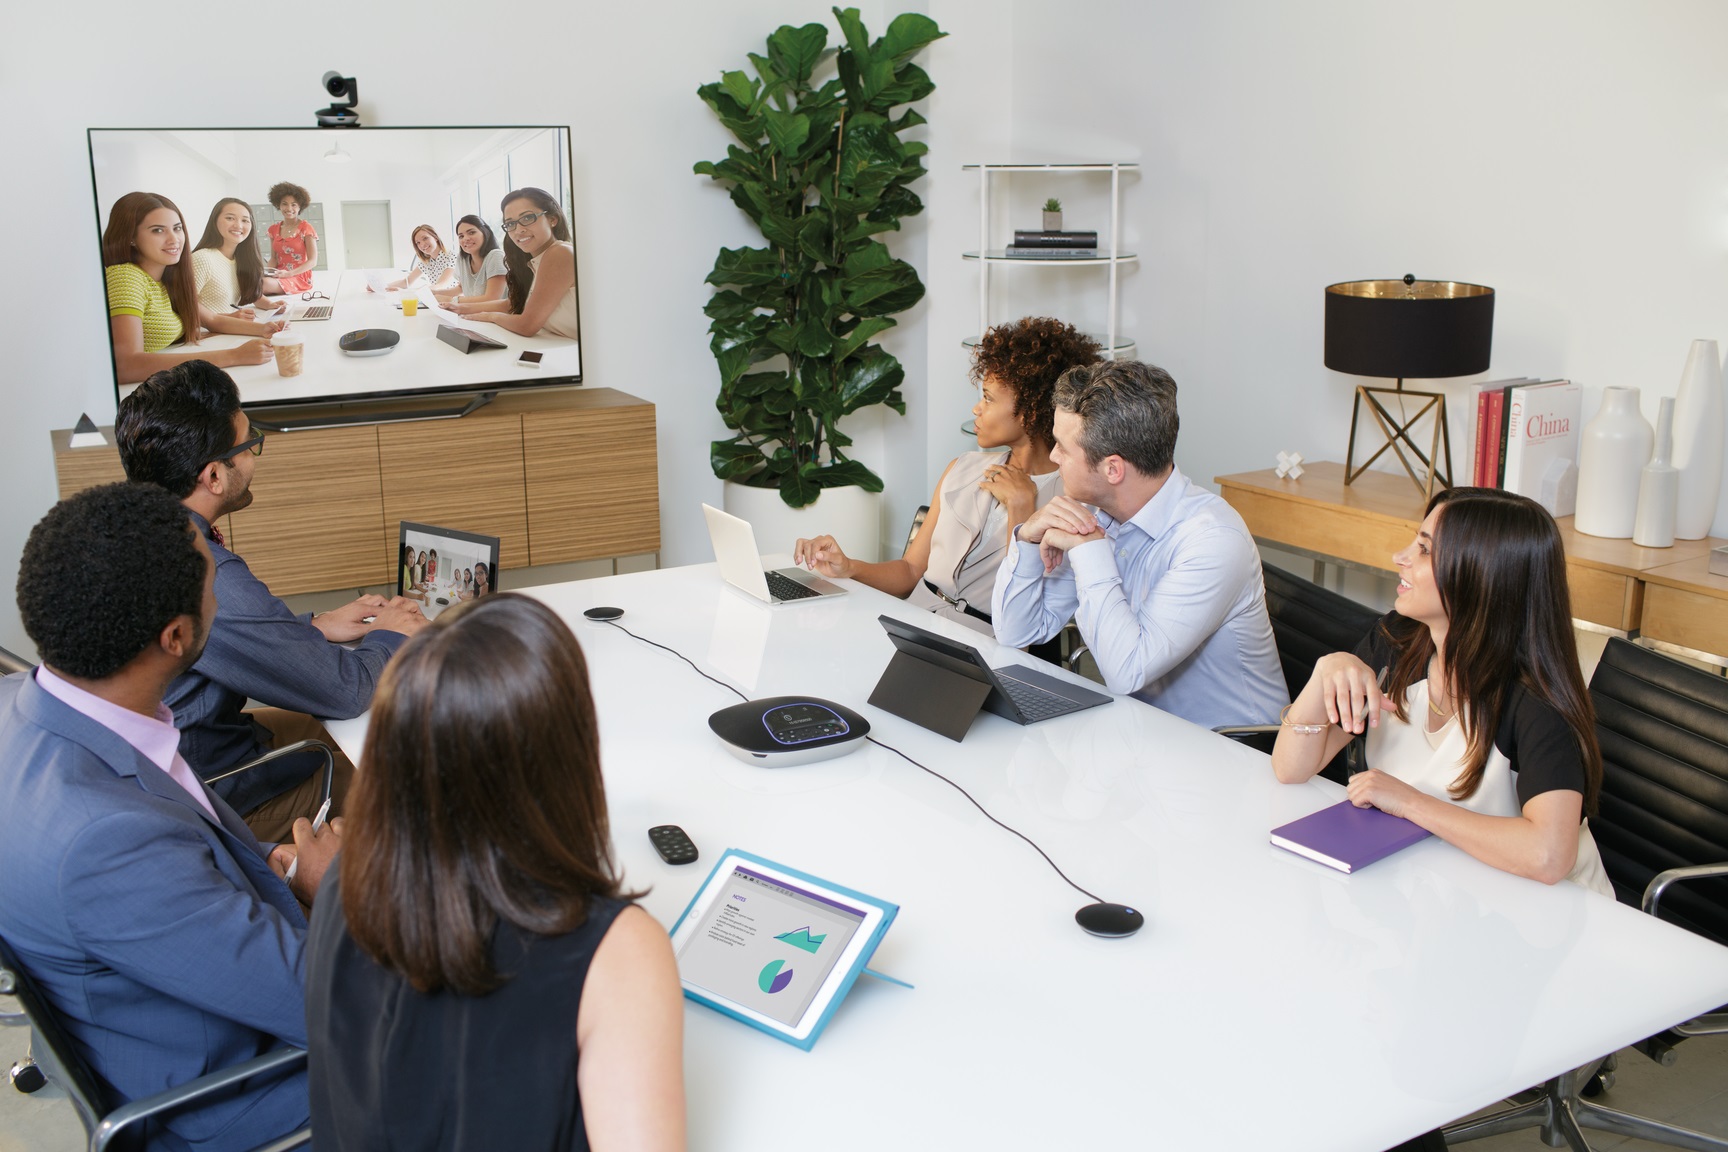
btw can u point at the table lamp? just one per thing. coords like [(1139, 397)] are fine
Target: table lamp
[(1426, 329)]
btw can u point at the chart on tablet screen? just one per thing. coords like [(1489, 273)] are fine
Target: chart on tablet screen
[(801, 938), (774, 977)]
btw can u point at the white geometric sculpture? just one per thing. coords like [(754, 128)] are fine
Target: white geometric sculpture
[(1289, 466)]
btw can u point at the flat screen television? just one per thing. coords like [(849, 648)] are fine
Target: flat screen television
[(336, 232)]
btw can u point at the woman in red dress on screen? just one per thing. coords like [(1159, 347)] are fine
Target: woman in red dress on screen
[(293, 242)]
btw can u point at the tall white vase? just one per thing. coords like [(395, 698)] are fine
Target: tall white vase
[(1698, 441), (1612, 452), (1658, 487), (851, 515)]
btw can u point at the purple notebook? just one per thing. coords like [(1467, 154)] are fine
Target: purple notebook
[(1346, 837)]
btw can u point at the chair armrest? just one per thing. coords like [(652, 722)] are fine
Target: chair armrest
[(1660, 882), (127, 1114), (287, 750), (1259, 737)]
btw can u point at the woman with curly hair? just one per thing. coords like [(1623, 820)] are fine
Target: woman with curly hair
[(950, 565), (293, 242)]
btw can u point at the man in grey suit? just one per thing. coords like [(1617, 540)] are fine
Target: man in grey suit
[(164, 935)]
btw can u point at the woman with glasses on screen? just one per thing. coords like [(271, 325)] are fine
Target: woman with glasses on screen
[(476, 973), (484, 280), (153, 300), (1477, 724), (542, 268), (293, 242), (226, 261), (433, 263)]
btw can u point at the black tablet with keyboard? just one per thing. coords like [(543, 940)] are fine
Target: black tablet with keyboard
[(1023, 695)]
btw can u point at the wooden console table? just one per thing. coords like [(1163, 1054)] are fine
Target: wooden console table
[(1664, 594), (557, 476)]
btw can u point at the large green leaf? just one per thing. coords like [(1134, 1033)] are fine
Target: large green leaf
[(908, 84), (787, 131), (796, 51), (843, 474), (761, 383), (861, 335), (727, 305), (732, 459), (798, 490), (869, 378), (908, 33), (741, 88), (745, 266), (852, 27)]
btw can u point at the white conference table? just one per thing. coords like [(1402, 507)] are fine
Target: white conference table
[(420, 362), (1268, 1002)]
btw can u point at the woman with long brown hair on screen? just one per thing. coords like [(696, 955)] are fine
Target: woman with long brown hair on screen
[(226, 261), (476, 976), (1477, 722), (153, 296), (542, 267), (483, 278)]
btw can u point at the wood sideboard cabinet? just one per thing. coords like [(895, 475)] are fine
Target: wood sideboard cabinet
[(1663, 594), (556, 476)]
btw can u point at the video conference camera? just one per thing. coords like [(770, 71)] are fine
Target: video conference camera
[(345, 93)]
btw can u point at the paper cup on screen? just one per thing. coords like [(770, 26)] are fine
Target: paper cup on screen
[(410, 305), (290, 352)]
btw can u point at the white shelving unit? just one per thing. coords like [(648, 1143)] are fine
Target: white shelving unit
[(1110, 257)]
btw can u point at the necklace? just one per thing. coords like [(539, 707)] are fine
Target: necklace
[(1433, 707)]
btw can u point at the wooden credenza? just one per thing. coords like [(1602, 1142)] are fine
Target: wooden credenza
[(1664, 594), (557, 476)]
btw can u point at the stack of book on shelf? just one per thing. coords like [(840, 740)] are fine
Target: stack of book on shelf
[(1525, 439), (1054, 245)]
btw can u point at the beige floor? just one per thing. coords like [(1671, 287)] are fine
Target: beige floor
[(1693, 1093)]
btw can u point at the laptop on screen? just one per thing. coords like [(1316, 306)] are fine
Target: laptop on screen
[(741, 564)]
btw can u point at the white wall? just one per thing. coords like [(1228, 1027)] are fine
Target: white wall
[(623, 76), (1568, 154)]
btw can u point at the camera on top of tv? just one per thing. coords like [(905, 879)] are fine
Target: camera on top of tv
[(345, 93)]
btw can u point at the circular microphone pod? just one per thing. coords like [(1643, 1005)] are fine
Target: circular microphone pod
[(1111, 920), (603, 613)]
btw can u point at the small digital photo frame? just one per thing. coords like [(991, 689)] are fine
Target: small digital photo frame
[(441, 567)]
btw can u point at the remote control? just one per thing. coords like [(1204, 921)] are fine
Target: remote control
[(674, 846)]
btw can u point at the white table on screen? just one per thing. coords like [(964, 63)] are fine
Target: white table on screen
[(419, 363), (1268, 1001)]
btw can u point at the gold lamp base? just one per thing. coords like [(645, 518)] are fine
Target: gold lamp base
[(1398, 429)]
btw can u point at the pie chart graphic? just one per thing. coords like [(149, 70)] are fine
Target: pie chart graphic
[(774, 977)]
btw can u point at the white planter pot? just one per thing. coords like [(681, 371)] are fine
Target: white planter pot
[(851, 515), (1611, 454), (1698, 441)]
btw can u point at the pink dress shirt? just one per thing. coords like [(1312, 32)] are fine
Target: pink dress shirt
[(155, 738)]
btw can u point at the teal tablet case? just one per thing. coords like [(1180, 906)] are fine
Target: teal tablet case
[(889, 911)]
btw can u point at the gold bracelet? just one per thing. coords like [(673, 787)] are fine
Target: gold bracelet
[(1300, 729)]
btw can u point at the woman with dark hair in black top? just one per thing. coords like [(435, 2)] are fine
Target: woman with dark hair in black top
[(1478, 726), (476, 977)]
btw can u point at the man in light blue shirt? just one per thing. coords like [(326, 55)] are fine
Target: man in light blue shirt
[(1163, 578)]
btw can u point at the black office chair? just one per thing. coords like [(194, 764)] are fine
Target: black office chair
[(1308, 622), (917, 523), (1662, 821), (119, 1128)]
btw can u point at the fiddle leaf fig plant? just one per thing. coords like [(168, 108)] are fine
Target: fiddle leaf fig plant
[(820, 168)]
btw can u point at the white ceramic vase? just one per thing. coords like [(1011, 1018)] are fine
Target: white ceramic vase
[(1612, 452), (1698, 441), (849, 514), (1658, 487)]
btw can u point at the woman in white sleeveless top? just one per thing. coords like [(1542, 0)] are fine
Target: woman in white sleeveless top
[(1478, 725), (540, 267), (950, 566)]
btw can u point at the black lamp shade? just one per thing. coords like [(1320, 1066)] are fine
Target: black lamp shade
[(1422, 330)]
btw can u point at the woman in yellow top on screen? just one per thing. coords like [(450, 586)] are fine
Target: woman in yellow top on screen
[(153, 297), (1477, 723), (433, 263), (950, 566), (542, 268), (293, 242), (227, 263)]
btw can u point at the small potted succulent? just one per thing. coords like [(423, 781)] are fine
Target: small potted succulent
[(1052, 215)]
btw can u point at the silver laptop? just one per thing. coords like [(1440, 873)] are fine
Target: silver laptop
[(741, 564)]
